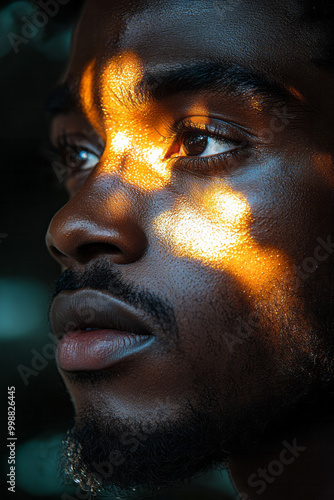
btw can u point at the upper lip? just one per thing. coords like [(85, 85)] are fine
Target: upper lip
[(87, 308)]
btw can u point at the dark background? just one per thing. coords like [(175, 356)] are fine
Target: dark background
[(31, 193)]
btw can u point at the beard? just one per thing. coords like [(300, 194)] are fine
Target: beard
[(112, 457), (106, 455), (130, 457)]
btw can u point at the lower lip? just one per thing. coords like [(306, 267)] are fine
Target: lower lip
[(98, 349)]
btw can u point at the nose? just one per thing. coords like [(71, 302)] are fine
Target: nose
[(104, 218)]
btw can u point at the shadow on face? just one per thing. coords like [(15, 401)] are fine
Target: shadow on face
[(198, 149)]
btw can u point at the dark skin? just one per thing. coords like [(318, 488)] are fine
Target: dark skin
[(220, 240)]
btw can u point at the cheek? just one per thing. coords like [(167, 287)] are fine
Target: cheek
[(238, 274), (215, 229)]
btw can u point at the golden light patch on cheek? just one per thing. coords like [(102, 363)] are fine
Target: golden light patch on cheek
[(215, 228), (130, 148)]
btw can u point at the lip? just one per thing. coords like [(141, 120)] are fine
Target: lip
[(94, 330)]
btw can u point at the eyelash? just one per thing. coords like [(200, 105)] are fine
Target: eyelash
[(206, 165), (63, 144)]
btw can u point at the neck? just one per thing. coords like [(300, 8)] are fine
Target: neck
[(297, 464)]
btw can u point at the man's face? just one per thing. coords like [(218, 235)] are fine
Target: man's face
[(200, 169)]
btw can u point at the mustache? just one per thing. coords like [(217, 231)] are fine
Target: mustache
[(101, 276)]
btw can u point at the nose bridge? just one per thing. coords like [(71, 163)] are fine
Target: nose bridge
[(104, 217), (138, 160)]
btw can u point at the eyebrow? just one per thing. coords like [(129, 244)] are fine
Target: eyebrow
[(230, 79), (233, 80)]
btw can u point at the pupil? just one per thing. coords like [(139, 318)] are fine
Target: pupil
[(195, 145)]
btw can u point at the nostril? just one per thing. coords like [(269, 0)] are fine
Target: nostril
[(88, 251), (56, 253)]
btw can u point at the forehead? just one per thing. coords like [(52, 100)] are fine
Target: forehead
[(268, 37)]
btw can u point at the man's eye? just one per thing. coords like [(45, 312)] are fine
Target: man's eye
[(78, 158), (207, 147), (199, 144)]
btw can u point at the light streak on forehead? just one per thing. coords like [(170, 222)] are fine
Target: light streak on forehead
[(129, 142)]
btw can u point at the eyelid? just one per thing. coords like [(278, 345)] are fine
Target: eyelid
[(214, 128), (73, 139), (205, 123)]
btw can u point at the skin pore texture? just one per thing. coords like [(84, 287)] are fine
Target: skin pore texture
[(199, 143)]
